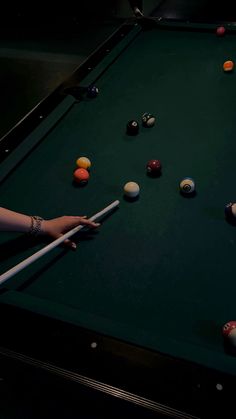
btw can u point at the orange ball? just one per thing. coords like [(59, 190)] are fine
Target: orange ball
[(81, 176), (228, 65)]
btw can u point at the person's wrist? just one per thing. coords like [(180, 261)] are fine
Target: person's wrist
[(36, 225), (44, 228)]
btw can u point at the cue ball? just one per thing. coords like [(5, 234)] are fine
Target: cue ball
[(187, 186), (153, 166), (132, 128), (131, 189), (229, 332), (81, 176), (148, 120), (83, 162)]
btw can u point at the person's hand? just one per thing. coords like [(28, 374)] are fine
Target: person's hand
[(56, 227)]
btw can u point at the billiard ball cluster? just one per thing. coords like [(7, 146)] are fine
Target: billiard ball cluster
[(153, 167), (148, 121), (131, 189), (81, 173), (187, 186)]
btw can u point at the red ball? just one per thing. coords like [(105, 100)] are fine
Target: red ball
[(154, 166), (229, 333), (81, 176), (220, 31), (228, 328)]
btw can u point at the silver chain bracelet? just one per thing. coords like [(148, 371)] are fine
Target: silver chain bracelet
[(35, 227)]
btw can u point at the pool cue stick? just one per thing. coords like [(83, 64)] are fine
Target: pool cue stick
[(26, 262)]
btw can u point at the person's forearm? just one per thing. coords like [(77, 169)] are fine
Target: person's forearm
[(14, 221)]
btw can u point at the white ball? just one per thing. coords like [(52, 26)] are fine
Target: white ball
[(131, 189)]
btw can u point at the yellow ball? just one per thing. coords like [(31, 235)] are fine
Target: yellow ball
[(83, 162)]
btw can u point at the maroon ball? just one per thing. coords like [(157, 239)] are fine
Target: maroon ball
[(153, 166)]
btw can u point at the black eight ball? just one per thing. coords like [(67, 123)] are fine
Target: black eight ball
[(132, 128)]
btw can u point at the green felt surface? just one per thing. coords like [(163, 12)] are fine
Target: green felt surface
[(160, 271)]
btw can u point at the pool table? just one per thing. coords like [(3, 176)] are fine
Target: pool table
[(137, 310)]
